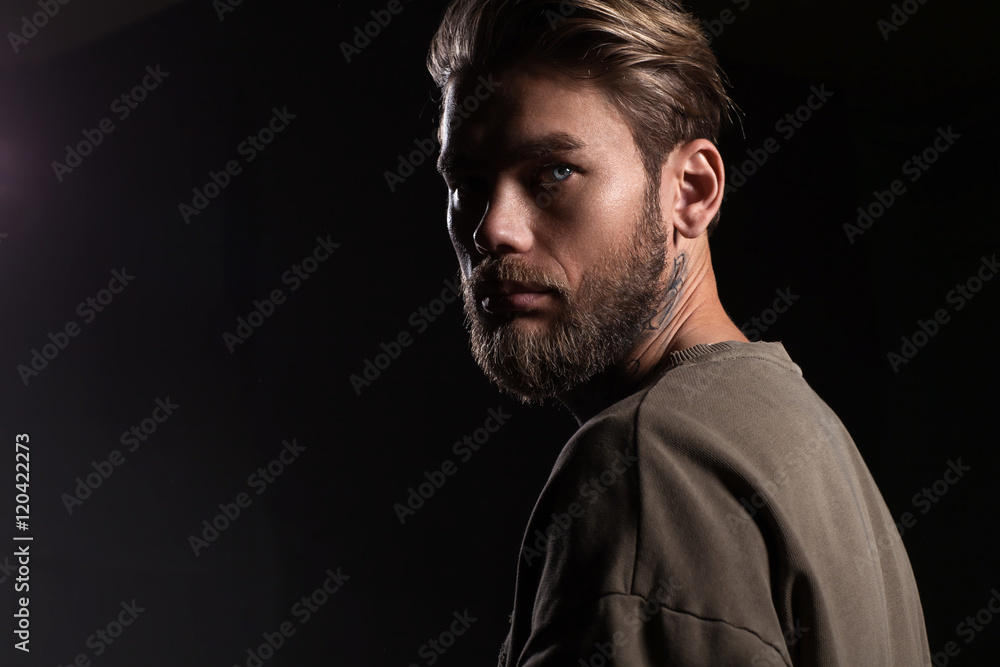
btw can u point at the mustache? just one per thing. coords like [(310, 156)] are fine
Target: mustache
[(492, 271)]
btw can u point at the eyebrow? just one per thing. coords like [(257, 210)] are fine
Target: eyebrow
[(555, 142)]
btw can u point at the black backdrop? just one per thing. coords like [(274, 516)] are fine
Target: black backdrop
[(323, 177)]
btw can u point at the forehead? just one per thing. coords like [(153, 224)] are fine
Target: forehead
[(527, 107)]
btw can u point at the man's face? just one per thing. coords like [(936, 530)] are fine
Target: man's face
[(557, 230)]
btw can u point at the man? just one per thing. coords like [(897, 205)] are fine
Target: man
[(711, 509)]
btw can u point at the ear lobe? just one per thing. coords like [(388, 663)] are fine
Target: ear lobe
[(700, 178)]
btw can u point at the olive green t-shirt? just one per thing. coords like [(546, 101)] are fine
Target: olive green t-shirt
[(720, 516)]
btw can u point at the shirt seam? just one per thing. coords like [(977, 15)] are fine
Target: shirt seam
[(638, 489), (777, 362), (665, 373), (638, 486), (697, 617)]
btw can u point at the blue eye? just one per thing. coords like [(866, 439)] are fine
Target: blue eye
[(560, 171)]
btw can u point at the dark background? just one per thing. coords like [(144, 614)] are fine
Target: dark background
[(323, 176)]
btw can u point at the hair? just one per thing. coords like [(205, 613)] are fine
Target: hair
[(650, 58)]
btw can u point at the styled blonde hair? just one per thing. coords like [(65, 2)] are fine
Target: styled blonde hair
[(650, 58)]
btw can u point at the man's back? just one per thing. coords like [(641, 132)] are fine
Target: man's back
[(721, 516)]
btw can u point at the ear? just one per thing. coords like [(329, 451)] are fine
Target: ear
[(694, 179)]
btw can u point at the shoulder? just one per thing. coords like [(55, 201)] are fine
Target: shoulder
[(648, 491), (742, 408), (692, 443), (661, 482)]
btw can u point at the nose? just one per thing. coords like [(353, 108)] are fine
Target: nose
[(505, 226)]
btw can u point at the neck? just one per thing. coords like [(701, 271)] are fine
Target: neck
[(688, 314)]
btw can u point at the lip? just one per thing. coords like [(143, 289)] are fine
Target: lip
[(510, 296)]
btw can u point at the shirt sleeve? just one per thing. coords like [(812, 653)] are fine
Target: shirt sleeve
[(621, 630), (722, 532), (630, 560)]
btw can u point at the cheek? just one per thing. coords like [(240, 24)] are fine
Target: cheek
[(621, 200), (463, 219), (459, 230), (599, 218), (463, 254)]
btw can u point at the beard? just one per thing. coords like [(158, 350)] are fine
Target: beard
[(596, 328)]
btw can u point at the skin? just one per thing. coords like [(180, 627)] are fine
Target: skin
[(496, 208)]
